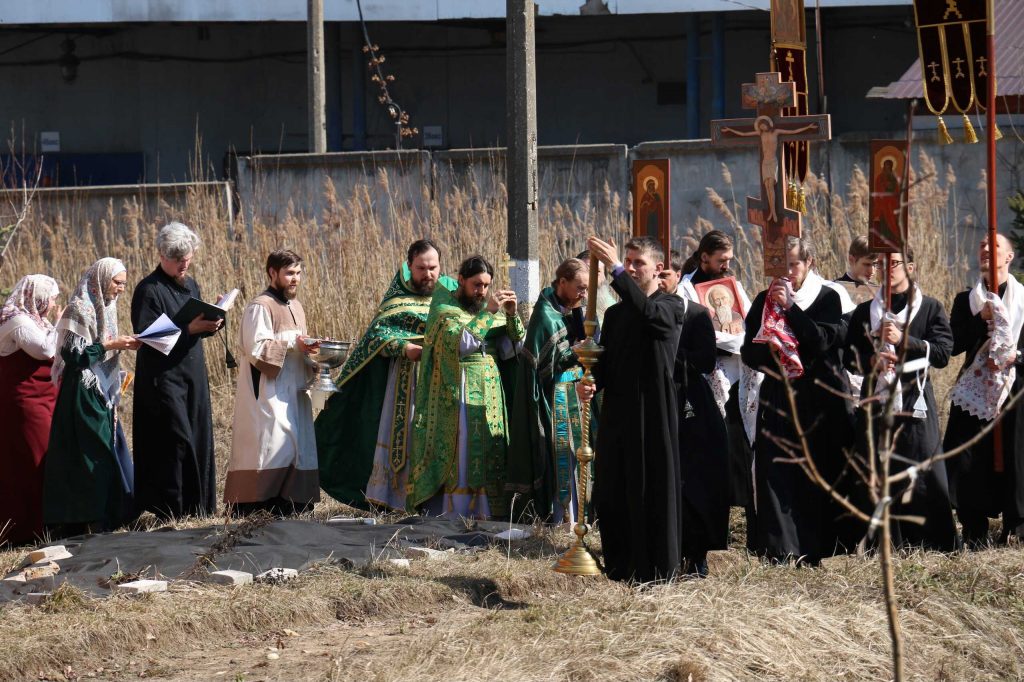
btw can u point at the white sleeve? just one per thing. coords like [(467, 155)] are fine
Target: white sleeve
[(34, 341), (257, 331), (468, 344)]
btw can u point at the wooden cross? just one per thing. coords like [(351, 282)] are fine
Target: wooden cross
[(504, 265), (769, 96)]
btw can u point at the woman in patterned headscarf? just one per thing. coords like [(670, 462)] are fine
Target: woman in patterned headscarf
[(27, 343), (88, 476)]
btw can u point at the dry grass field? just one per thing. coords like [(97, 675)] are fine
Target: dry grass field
[(502, 613)]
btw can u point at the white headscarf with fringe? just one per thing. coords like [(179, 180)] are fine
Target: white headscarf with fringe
[(28, 304), (91, 317)]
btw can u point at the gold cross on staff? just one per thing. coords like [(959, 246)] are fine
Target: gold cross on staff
[(504, 265)]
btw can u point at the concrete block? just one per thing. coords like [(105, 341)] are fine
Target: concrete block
[(399, 563), (141, 587), (427, 553), (277, 575), (230, 578), (52, 553), (513, 534), (43, 569)]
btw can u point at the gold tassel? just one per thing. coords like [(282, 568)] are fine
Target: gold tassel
[(997, 132), (970, 137), (944, 136), (801, 200), (791, 198)]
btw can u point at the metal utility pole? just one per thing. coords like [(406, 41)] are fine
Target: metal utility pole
[(315, 76), (521, 159)]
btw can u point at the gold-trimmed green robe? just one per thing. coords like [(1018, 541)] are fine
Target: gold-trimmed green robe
[(361, 440), (461, 428)]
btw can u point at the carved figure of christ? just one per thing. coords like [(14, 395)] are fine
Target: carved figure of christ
[(764, 127)]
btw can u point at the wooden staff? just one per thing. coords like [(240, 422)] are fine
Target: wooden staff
[(993, 282)]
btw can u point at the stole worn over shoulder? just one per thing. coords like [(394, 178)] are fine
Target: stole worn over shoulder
[(347, 429)]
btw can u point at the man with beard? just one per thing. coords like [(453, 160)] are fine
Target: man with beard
[(175, 474), (988, 328), (273, 446), (874, 343), (794, 327), (734, 385), (637, 496), (467, 373), (363, 433), (703, 440), (546, 412)]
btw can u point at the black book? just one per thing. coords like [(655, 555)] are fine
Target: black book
[(194, 308)]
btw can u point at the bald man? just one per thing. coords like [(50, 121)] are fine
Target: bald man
[(987, 329)]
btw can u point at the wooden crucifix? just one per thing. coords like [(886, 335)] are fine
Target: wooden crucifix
[(768, 96)]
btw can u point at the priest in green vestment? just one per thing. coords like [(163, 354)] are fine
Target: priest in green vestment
[(467, 371), (363, 433), (546, 410)]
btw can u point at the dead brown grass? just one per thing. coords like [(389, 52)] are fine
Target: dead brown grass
[(496, 614)]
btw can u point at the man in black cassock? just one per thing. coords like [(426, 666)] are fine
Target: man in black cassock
[(637, 496), (703, 439), (792, 518), (978, 491), (873, 342), (172, 430)]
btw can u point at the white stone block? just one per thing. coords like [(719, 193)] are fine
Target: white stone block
[(277, 575), (399, 563), (230, 578), (513, 534), (43, 569), (427, 553), (52, 553), (142, 587)]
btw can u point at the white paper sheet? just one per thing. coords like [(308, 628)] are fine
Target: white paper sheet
[(161, 335)]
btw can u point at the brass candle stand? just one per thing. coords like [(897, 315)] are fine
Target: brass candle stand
[(578, 560)]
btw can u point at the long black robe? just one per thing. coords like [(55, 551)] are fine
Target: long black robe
[(637, 494), (741, 454), (794, 518), (172, 434), (703, 441), (977, 491), (918, 438)]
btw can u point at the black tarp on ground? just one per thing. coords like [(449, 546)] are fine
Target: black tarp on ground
[(170, 554)]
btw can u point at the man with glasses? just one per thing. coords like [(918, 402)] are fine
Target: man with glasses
[(915, 327), (175, 475), (545, 421)]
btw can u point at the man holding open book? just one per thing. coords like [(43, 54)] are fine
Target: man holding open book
[(173, 425)]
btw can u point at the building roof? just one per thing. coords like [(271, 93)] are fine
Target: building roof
[(1009, 59), (20, 12)]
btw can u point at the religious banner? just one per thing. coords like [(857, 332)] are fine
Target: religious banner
[(789, 57), (769, 96), (954, 58), (886, 208), (652, 216)]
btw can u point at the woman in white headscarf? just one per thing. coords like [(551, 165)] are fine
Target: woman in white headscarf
[(27, 344), (88, 477)]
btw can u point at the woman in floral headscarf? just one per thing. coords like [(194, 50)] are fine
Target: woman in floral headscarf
[(88, 476), (27, 343)]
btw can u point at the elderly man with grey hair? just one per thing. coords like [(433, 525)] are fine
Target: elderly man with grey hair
[(173, 426)]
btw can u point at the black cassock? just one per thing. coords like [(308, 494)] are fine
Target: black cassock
[(918, 438), (172, 432), (703, 441), (977, 491), (794, 518), (637, 493)]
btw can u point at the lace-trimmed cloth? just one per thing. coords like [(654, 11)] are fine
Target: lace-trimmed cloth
[(981, 390)]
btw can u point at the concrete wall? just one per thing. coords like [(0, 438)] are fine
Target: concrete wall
[(155, 88), (572, 175)]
